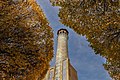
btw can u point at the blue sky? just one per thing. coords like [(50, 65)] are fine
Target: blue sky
[(89, 66)]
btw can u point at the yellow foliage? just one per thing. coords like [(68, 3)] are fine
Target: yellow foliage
[(26, 40), (99, 21)]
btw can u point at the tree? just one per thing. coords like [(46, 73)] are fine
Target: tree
[(99, 21), (26, 40)]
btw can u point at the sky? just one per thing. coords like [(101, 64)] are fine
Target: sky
[(88, 65)]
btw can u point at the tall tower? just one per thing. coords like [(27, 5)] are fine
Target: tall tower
[(62, 45), (62, 70)]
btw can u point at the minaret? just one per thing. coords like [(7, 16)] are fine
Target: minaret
[(62, 52), (62, 45), (62, 70)]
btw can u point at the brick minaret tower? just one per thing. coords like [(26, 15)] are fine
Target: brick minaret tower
[(62, 45), (62, 70)]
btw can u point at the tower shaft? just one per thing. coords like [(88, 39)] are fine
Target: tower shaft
[(62, 47)]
